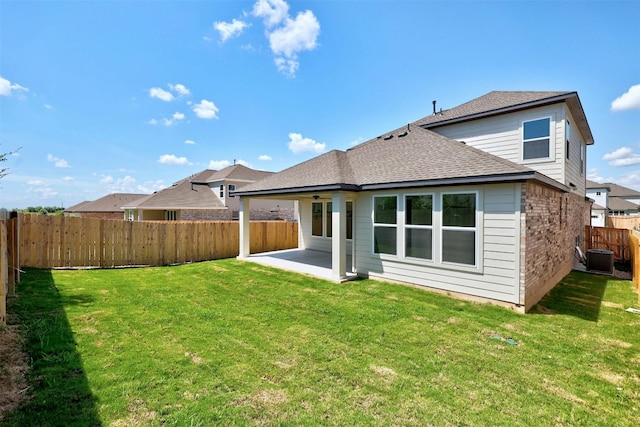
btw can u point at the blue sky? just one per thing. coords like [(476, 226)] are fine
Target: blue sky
[(130, 96)]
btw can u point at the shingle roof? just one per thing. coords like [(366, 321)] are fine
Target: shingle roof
[(620, 191), (409, 156), (184, 194), (620, 204), (500, 102), (109, 203), (593, 185), (238, 173)]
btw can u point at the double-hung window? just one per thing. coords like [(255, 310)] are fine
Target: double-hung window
[(230, 188), (385, 224), (459, 228), (536, 139), (418, 231)]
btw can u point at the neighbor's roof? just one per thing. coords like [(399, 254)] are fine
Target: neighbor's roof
[(407, 157), (501, 102), (237, 173), (109, 203), (620, 204), (184, 194), (591, 185), (620, 191)]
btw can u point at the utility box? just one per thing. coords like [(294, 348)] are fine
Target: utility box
[(600, 260)]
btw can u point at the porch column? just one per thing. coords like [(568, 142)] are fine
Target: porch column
[(339, 236), (245, 241)]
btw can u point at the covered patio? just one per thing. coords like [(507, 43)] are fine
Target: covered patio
[(304, 261)]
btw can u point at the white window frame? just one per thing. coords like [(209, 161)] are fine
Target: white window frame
[(326, 227), (397, 226), (322, 223), (230, 188), (475, 229), (551, 155), (171, 215), (406, 226), (221, 191)]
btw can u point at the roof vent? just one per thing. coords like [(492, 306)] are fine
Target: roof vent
[(386, 138), (434, 107), (402, 135)]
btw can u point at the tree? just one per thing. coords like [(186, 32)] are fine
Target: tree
[(3, 158)]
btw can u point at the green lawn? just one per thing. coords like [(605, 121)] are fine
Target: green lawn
[(232, 343)]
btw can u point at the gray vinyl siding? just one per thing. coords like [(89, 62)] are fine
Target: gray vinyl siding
[(573, 173), (502, 136), (497, 275)]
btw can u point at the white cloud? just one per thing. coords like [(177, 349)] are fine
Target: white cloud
[(129, 184), (180, 89), (629, 100), (218, 164), (58, 162), (297, 35), (153, 122), (207, 39), (178, 116), (189, 141), (48, 106), (156, 92), (298, 144), (264, 157), (172, 159), (43, 192), (7, 88), (67, 179), (206, 110), (230, 29), (36, 182), (288, 67), (623, 156), (273, 12)]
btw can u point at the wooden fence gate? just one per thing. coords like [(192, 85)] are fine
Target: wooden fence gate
[(612, 239)]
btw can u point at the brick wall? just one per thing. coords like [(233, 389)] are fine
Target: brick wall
[(257, 214), (552, 223)]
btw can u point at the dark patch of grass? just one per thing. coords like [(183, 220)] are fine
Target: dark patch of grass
[(232, 343), (60, 394)]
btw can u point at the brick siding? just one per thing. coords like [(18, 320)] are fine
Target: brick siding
[(552, 224)]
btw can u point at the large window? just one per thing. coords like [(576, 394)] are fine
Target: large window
[(418, 240), (459, 228), (536, 140), (385, 224), (321, 219)]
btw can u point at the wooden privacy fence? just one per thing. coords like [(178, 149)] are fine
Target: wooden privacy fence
[(57, 241), (634, 245), (624, 221), (8, 261), (612, 239)]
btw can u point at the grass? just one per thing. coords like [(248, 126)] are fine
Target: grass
[(232, 343)]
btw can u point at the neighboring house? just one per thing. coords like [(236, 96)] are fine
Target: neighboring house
[(611, 199), (207, 196), (107, 207), (485, 200)]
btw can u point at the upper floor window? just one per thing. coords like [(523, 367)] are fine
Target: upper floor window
[(221, 191), (598, 193), (536, 139), (230, 188)]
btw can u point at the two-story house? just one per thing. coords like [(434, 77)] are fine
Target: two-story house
[(611, 199), (206, 195), (484, 201)]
